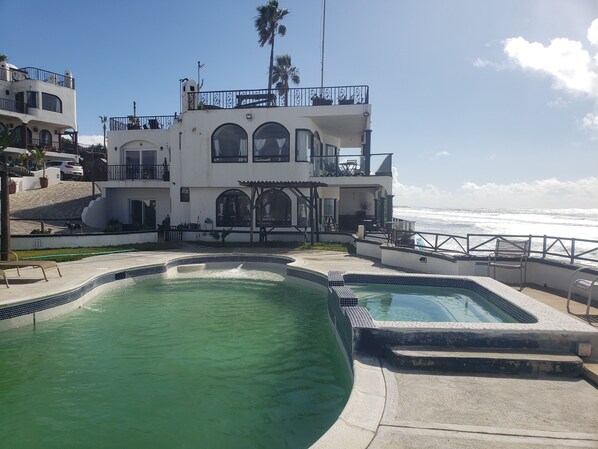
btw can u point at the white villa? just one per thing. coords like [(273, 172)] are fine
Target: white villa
[(39, 106), (248, 159)]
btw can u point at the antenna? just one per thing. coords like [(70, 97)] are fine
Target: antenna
[(323, 36), (199, 80)]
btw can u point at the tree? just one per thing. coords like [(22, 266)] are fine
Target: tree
[(267, 24), (104, 120), (3, 58), (6, 139), (282, 73)]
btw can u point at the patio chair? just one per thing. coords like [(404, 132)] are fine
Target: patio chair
[(510, 255), (41, 264), (582, 284)]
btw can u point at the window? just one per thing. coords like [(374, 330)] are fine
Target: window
[(271, 143), (20, 102), (274, 209), (142, 164), (45, 138), (302, 213), (143, 213), (317, 158), (51, 103), (233, 208), (303, 144), (32, 99), (184, 195), (229, 144)]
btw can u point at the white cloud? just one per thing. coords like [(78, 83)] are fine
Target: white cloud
[(442, 154), (91, 140), (590, 121), (593, 33), (557, 103), (566, 61), (483, 63), (544, 193)]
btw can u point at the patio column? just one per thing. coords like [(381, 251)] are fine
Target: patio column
[(367, 151)]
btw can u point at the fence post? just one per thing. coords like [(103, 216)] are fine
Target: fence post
[(572, 251), (544, 247), (468, 244)]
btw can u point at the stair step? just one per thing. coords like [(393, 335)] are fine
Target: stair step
[(484, 361)]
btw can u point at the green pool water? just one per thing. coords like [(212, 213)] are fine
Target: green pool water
[(208, 361), (387, 302)]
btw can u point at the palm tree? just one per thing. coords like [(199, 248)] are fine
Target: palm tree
[(283, 72), (6, 139), (267, 24), (104, 120)]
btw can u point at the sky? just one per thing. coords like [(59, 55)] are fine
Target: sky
[(488, 103)]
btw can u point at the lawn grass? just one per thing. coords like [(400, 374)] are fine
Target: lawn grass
[(71, 254)]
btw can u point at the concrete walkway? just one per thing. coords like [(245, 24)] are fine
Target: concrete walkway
[(389, 408)]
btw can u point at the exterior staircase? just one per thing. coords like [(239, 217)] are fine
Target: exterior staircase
[(492, 361)]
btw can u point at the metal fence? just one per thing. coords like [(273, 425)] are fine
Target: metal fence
[(374, 165), (572, 250), (7, 104), (33, 73), (145, 122), (305, 96), (142, 172)]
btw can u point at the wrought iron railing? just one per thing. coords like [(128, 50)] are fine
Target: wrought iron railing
[(574, 250), (7, 104), (33, 73), (375, 165), (138, 172), (146, 122), (304, 96)]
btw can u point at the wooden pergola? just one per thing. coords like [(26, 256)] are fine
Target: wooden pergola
[(258, 188)]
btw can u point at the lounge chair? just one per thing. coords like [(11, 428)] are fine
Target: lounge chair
[(16, 263), (581, 283), (511, 255), (3, 274)]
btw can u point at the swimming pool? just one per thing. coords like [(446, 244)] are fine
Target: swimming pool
[(428, 304), (218, 358)]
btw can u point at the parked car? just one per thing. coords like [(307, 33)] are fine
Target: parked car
[(68, 169)]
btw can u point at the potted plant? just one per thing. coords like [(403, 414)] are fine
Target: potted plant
[(342, 99), (12, 186), (38, 155), (316, 100), (133, 122)]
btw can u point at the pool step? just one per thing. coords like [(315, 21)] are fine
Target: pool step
[(484, 361)]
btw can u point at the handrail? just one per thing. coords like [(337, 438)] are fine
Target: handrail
[(575, 250), (303, 96), (141, 122)]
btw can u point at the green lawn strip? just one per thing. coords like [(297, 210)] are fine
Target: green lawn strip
[(339, 247), (70, 254)]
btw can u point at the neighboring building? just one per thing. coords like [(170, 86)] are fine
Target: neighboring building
[(38, 106), (245, 159)]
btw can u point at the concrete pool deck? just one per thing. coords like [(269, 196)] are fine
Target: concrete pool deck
[(390, 408)]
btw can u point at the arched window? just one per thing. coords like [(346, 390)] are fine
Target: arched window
[(229, 144), (45, 138), (51, 102), (274, 209), (233, 208), (271, 143)]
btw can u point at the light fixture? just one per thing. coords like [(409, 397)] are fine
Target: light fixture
[(35, 129), (161, 148), (208, 222), (248, 116), (115, 149), (366, 113)]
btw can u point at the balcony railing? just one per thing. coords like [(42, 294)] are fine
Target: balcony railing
[(7, 104), (374, 165), (141, 172), (304, 96), (146, 122), (33, 73)]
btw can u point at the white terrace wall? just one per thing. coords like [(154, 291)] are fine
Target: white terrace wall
[(544, 273), (26, 242)]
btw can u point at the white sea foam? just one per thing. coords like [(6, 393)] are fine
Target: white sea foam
[(234, 273), (567, 223)]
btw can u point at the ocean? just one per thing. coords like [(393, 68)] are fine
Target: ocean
[(566, 223)]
